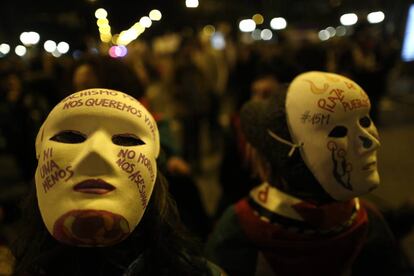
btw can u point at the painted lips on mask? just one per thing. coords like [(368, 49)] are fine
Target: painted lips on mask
[(94, 186)]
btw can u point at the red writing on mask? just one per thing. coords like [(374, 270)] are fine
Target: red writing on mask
[(90, 93), (137, 178), (103, 102), (126, 154), (336, 98), (127, 160), (355, 104), (51, 173), (48, 153), (147, 163)]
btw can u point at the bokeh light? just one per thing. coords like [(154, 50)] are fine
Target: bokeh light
[(332, 31), (209, 30), (375, 17), (155, 15), (49, 46), (258, 18), (217, 41), (340, 31), (105, 37), (191, 3), (56, 53), (101, 13), (256, 34), (63, 47), (348, 19), (278, 23), (266, 34), (117, 51), (145, 21), (102, 22), (323, 35), (29, 38), (247, 25), (4, 48), (20, 50)]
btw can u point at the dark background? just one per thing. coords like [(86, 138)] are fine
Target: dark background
[(74, 20)]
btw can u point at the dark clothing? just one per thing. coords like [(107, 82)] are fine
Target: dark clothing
[(236, 177), (244, 244)]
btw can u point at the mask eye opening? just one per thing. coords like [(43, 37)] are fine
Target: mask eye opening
[(365, 122), (338, 132), (69, 137), (127, 140)]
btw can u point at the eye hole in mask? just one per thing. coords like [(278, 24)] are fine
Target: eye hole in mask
[(127, 140), (365, 121), (69, 137), (338, 132)]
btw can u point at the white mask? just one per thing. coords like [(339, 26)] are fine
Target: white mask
[(327, 115), (97, 167)]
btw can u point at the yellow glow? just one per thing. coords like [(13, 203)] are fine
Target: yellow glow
[(105, 29), (115, 38), (122, 41), (101, 13), (258, 19), (209, 30), (155, 15), (106, 37), (129, 35), (138, 27), (145, 21), (102, 21)]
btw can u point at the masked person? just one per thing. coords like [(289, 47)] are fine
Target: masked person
[(101, 205), (315, 148)]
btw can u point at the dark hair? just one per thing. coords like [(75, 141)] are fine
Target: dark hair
[(160, 240), (289, 174)]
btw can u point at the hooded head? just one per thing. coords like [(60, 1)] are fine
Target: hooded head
[(318, 131)]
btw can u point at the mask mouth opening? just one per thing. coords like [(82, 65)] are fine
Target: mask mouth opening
[(94, 186)]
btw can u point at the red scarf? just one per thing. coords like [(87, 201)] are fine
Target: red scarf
[(289, 253)]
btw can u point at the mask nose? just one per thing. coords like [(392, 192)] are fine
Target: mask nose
[(93, 164), (94, 161)]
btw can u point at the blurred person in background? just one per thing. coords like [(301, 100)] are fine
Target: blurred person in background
[(192, 100), (235, 175), (370, 65)]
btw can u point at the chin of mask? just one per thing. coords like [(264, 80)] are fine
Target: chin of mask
[(96, 170), (328, 115)]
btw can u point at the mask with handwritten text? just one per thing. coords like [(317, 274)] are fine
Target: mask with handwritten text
[(328, 115), (96, 170)]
